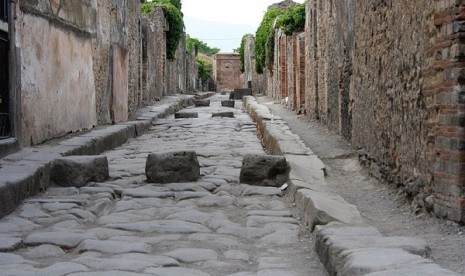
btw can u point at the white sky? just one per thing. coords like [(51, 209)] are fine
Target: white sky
[(248, 12), (222, 23)]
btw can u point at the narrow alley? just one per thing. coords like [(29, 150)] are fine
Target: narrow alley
[(215, 226)]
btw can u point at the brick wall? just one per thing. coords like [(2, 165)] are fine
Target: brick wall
[(445, 101), (227, 71)]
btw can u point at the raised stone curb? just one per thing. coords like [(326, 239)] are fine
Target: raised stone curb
[(27, 172), (345, 246)]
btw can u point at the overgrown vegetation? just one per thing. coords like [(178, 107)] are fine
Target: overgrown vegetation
[(200, 47), (263, 43), (290, 20), (293, 20), (172, 10), (240, 50), (205, 69)]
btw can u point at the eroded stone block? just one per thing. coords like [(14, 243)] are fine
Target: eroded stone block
[(169, 167), (77, 171), (264, 170)]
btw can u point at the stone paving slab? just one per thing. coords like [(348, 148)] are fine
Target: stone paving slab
[(127, 226), (20, 180)]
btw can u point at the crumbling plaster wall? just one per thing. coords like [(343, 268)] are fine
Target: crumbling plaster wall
[(56, 82)]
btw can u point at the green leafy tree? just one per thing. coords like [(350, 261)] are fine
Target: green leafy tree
[(205, 70), (200, 47), (172, 10)]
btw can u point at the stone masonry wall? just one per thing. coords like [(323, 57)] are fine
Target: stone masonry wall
[(388, 76), (256, 80), (82, 65)]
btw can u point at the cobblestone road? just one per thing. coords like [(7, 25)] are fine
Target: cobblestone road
[(127, 226)]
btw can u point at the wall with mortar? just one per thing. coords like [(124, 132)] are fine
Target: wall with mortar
[(88, 66), (372, 77), (250, 75), (227, 71), (387, 76), (154, 55)]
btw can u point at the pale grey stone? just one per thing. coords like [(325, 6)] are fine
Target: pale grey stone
[(163, 261), (61, 269), (143, 192), (109, 273), (60, 238), (367, 260), (62, 191), (264, 191), (44, 251), (191, 216), (9, 243), (253, 221), (57, 206), (175, 271), (215, 201), (189, 195), (12, 224), (10, 258), (191, 255), (122, 264), (237, 255), (162, 226), (269, 213), (415, 270), (113, 247), (32, 211)]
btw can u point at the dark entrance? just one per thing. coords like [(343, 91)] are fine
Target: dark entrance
[(4, 91)]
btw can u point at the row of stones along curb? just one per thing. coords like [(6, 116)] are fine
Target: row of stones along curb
[(30, 175), (343, 243)]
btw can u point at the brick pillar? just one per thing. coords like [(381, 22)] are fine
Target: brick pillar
[(444, 91)]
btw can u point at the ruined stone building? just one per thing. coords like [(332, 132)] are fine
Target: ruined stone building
[(74, 65), (227, 71), (388, 76)]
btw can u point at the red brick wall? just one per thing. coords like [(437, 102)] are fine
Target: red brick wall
[(445, 96), (227, 71)]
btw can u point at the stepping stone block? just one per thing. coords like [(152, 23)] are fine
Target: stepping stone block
[(172, 167), (228, 103), (77, 171), (223, 114), (264, 170), (238, 94), (183, 115), (202, 102)]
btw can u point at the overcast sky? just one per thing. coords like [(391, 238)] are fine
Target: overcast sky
[(221, 23)]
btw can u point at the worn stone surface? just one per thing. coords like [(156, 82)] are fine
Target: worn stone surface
[(181, 166), (77, 171), (264, 170), (214, 226)]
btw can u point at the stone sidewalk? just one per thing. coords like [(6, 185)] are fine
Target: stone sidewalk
[(126, 226)]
